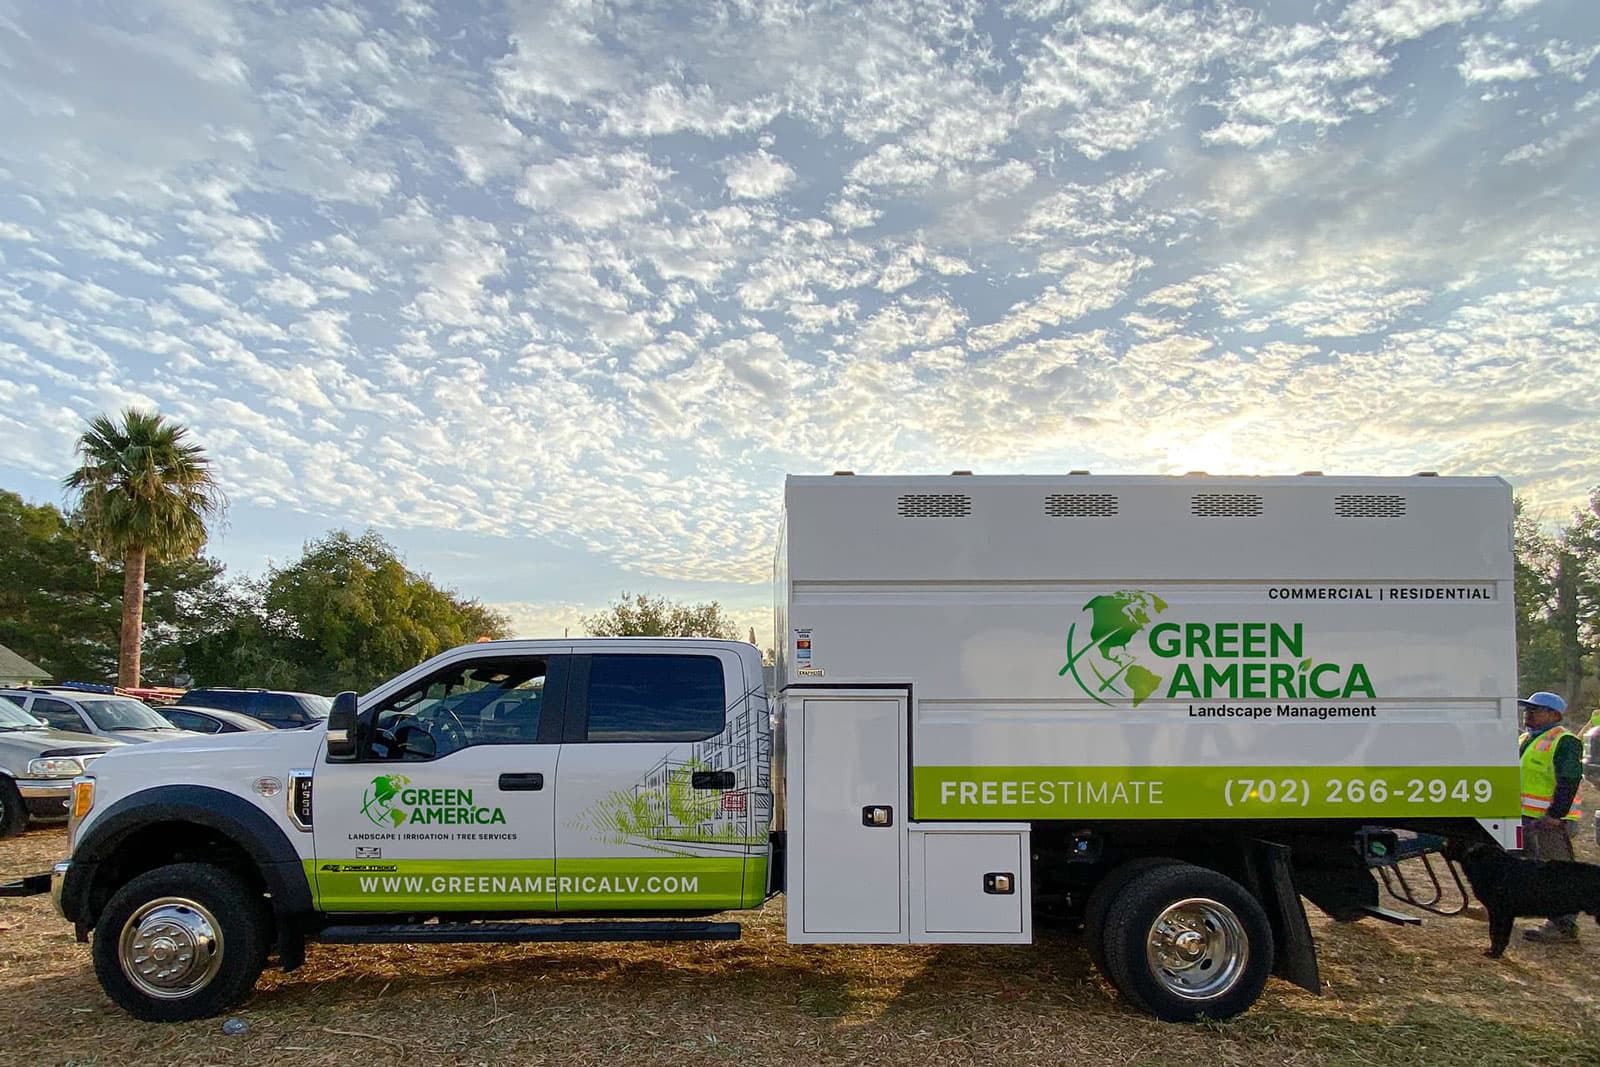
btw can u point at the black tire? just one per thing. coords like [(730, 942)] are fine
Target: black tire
[(13, 809), (1098, 909), (1129, 929), (241, 925)]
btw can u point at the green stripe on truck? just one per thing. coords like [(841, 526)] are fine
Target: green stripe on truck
[(1214, 792), (664, 883)]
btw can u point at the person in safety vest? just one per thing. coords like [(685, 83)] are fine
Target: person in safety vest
[(1591, 761), (1552, 772)]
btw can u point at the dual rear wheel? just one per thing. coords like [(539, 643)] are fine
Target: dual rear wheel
[(1179, 941)]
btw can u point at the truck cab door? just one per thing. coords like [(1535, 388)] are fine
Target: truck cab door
[(660, 806), (450, 804)]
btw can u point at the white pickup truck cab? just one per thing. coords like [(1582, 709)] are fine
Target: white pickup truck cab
[(1168, 708), (508, 779)]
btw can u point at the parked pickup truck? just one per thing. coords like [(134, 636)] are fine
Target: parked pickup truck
[(37, 766), (1166, 707)]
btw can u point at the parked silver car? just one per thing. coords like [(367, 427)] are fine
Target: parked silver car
[(106, 715), (37, 765)]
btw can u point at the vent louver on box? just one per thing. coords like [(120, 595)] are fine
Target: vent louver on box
[(1080, 505), (1225, 505), (935, 505), (1369, 506)]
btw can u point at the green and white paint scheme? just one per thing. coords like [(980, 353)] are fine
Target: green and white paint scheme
[(611, 827), (1170, 648), (964, 663)]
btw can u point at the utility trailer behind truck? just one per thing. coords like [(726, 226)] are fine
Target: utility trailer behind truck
[(1168, 708)]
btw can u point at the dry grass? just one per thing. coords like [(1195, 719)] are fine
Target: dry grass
[(1394, 996)]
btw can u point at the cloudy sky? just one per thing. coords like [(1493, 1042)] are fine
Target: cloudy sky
[(552, 295)]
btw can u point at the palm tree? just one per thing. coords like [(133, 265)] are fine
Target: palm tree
[(144, 491)]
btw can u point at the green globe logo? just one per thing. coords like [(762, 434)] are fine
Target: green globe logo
[(377, 803), (1100, 661)]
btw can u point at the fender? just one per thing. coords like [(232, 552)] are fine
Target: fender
[(263, 840)]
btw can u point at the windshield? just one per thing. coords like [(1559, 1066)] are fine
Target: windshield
[(120, 713), (316, 706), (12, 717)]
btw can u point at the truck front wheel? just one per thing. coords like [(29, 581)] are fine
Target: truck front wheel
[(1183, 942), (184, 941)]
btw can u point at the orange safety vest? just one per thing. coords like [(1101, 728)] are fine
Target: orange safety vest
[(1539, 775)]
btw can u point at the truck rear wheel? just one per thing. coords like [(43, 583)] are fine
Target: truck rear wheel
[(184, 941), (1098, 909), (1183, 942)]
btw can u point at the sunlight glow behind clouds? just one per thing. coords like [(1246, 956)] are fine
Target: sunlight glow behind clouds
[(592, 277)]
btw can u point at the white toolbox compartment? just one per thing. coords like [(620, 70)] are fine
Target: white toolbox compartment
[(970, 883), (858, 871)]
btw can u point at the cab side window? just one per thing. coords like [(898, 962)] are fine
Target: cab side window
[(57, 713), (507, 700), (662, 698)]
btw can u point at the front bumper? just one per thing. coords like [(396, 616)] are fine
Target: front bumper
[(45, 788), (46, 798)]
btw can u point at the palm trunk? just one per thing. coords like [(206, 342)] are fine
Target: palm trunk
[(132, 618)]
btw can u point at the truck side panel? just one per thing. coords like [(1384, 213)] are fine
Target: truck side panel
[(1193, 649)]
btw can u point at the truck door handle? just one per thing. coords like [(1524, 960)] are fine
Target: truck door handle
[(877, 815), (521, 782), (711, 780)]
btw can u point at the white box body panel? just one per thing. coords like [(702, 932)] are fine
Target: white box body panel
[(851, 883), (847, 881), (1239, 647), (949, 904)]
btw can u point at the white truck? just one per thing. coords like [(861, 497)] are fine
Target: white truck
[(1167, 707)]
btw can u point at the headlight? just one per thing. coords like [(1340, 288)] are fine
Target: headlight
[(54, 767)]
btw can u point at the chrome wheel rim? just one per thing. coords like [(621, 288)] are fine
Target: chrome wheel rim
[(170, 948), (1197, 948)]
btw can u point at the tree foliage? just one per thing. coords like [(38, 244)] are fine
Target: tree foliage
[(640, 615), (346, 615), (60, 606), (145, 493), (1558, 606)]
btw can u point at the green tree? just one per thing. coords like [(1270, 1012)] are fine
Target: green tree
[(61, 609), (1558, 605), (346, 615), (145, 492), (1576, 611), (639, 615), (1538, 646)]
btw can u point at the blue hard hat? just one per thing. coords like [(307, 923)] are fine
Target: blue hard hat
[(1548, 701)]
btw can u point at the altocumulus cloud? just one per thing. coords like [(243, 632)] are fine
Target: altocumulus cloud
[(585, 280)]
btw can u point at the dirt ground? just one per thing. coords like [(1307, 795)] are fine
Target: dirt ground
[(1393, 996)]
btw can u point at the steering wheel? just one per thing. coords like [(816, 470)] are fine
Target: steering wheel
[(424, 735), (451, 730)]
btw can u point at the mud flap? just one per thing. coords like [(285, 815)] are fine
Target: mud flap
[(1270, 876)]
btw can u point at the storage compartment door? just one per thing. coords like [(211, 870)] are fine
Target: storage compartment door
[(973, 884), (852, 872)]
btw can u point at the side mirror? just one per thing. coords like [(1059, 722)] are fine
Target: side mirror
[(342, 721)]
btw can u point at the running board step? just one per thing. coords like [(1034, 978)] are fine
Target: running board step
[(500, 932), (1396, 917)]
